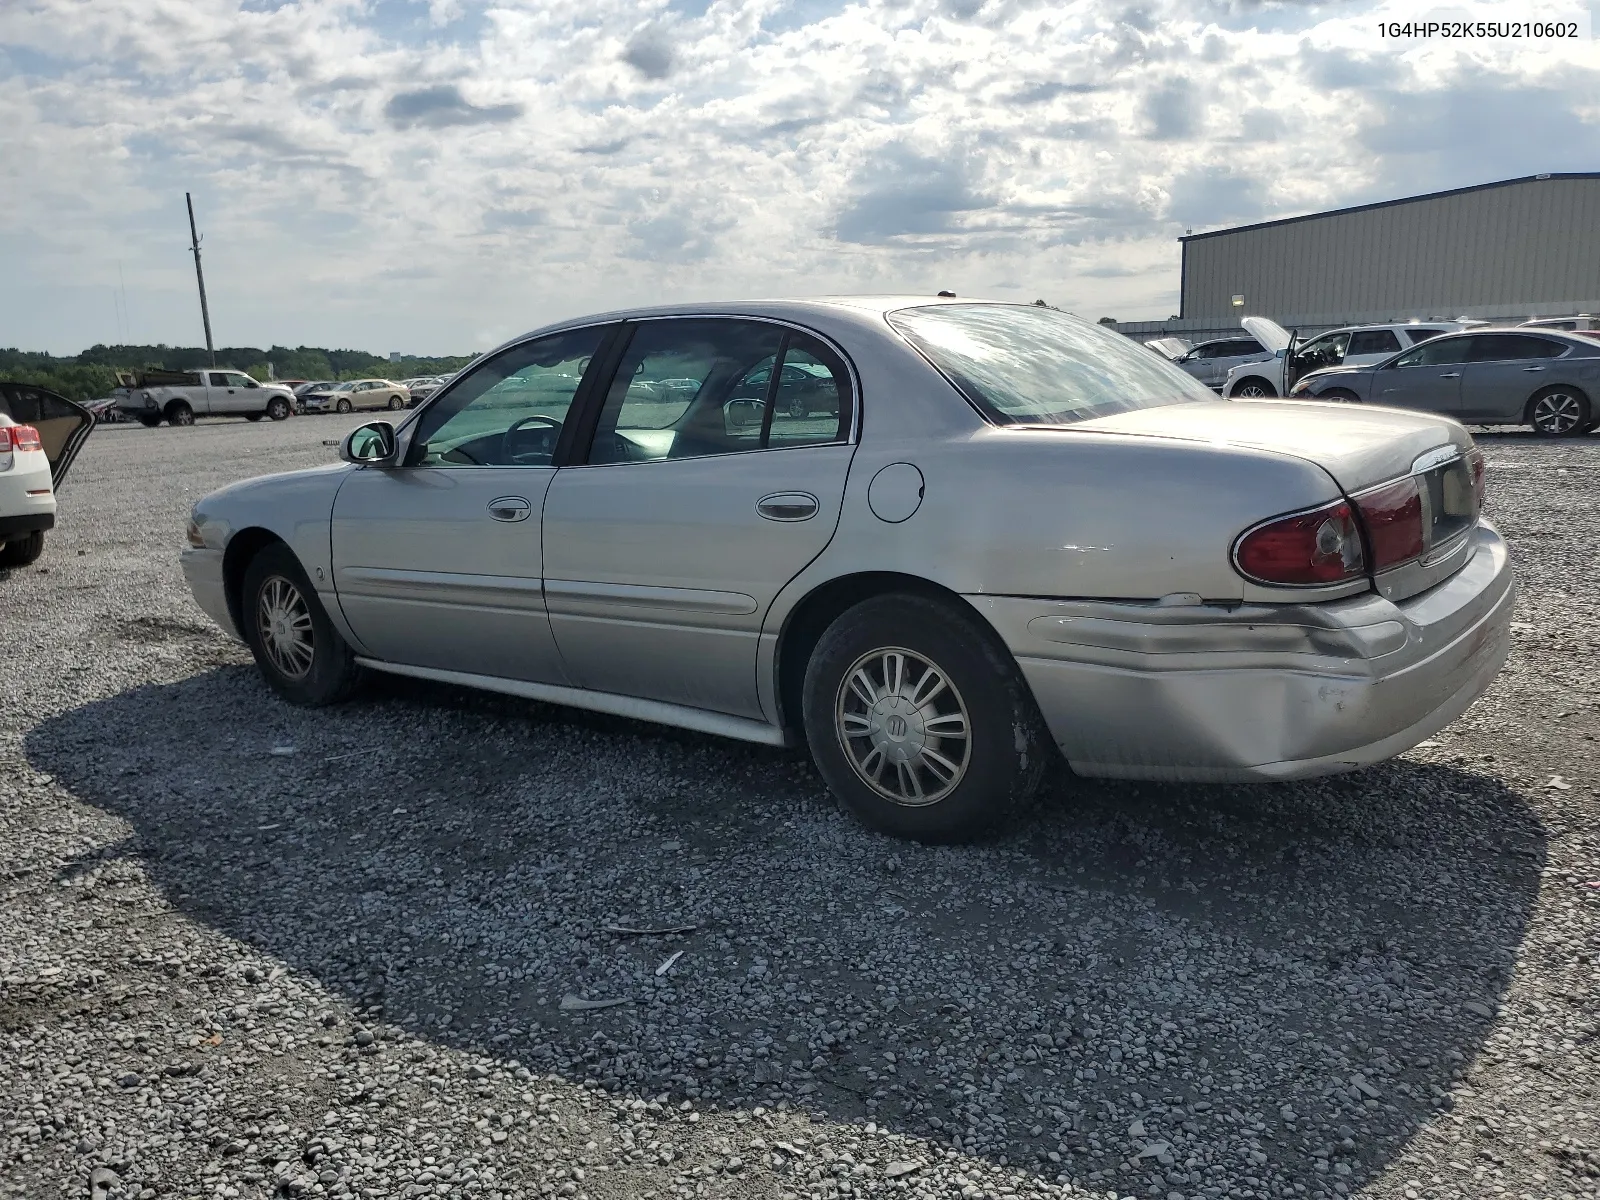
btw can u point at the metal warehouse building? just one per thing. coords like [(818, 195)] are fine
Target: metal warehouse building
[(1515, 249)]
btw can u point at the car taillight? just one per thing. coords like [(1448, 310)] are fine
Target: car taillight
[(19, 437), (1304, 550), (1393, 517)]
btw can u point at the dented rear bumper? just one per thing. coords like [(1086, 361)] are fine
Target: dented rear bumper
[(1260, 692)]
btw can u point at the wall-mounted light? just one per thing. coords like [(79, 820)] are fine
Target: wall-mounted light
[(1238, 301)]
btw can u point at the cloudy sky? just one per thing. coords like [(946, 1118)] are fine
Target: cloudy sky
[(435, 175)]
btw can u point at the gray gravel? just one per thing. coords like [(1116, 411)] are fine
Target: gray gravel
[(250, 950)]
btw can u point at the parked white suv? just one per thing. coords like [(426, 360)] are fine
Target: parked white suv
[(1210, 362), (1353, 346), (178, 397), (40, 435)]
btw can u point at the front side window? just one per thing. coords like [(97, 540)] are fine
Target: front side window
[(510, 411), (1440, 353), (701, 386), (1374, 341), (220, 379), (243, 381), (1038, 366), (1325, 351)]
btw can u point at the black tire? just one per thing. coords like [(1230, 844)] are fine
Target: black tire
[(149, 420), (395, 403), (1006, 748), (1253, 387), (278, 408), (1560, 412), (344, 406), (179, 413), (254, 416), (1339, 396), (797, 407), (332, 674), (22, 551)]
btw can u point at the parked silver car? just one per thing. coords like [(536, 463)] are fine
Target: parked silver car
[(1210, 362), (1544, 378), (1008, 532)]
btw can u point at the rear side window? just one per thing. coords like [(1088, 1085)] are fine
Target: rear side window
[(1508, 347), (1241, 348), (1374, 341), (1037, 366), (1423, 334)]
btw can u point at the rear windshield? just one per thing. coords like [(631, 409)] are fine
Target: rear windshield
[(1037, 366)]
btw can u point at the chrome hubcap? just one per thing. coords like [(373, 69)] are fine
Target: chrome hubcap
[(903, 726), (1556, 413), (284, 623)]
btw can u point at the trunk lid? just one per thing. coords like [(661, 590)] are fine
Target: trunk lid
[(1357, 445), (63, 425)]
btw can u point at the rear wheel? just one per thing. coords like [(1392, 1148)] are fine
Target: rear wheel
[(344, 406), (919, 721), (299, 652), (19, 552), (395, 402), (278, 408), (179, 413), (1254, 388), (1559, 412)]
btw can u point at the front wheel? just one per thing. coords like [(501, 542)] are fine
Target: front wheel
[(1559, 412), (278, 408), (1254, 389), (797, 407), (920, 722), (22, 551), (299, 652), (344, 406), (1339, 396)]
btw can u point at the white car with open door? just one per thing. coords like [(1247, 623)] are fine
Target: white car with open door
[(1352, 346), (40, 434)]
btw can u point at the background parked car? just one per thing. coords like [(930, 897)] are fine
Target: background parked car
[(1170, 348), (423, 386), (1547, 378), (40, 434), (1210, 362), (1353, 346), (1584, 323), (356, 393), (178, 397)]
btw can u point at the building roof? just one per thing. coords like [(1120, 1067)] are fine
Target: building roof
[(1339, 212)]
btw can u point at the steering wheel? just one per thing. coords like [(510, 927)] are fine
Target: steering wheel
[(553, 426)]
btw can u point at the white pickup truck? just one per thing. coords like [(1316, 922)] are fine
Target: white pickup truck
[(178, 397)]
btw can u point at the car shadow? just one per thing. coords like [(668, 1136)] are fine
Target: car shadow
[(1300, 962)]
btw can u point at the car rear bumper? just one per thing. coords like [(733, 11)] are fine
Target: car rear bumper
[(1260, 692), (203, 571)]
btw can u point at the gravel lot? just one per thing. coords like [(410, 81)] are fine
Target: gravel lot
[(250, 950)]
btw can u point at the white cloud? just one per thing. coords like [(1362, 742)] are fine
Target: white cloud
[(432, 174)]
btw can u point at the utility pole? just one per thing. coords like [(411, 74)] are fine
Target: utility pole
[(200, 277)]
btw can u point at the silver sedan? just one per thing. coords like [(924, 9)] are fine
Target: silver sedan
[(1544, 378), (1004, 533)]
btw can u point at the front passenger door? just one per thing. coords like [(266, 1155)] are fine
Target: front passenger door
[(1427, 377)]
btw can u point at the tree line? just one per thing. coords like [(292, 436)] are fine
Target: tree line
[(92, 374)]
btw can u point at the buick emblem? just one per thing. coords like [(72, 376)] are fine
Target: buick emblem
[(895, 726)]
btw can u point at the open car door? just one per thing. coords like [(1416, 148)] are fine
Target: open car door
[(63, 424)]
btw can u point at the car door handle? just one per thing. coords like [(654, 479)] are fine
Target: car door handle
[(1451, 375), (1533, 368), (510, 508), (787, 506)]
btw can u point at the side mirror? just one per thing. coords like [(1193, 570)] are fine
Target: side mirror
[(1280, 352), (741, 414), (370, 445)]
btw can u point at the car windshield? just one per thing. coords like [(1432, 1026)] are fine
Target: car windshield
[(1039, 366)]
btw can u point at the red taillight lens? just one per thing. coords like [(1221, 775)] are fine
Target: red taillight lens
[(19, 437), (1480, 484), (1307, 549), (1393, 516)]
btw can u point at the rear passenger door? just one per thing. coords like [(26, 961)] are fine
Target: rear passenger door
[(1503, 370)]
